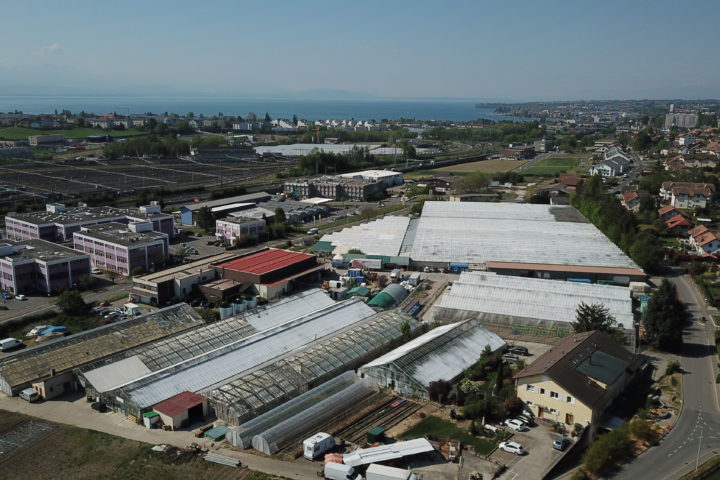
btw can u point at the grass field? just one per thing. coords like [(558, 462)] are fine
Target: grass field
[(552, 166), (18, 133), (76, 453), (437, 426), (483, 166)]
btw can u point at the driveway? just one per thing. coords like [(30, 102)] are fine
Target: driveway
[(538, 443)]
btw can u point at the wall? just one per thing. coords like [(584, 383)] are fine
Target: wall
[(54, 386), (581, 413)]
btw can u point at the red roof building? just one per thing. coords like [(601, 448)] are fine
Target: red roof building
[(679, 224), (270, 270), (182, 409)]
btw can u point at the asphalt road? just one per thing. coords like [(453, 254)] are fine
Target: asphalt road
[(696, 435)]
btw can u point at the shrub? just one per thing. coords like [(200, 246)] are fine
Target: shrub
[(474, 430), (673, 366), (607, 450), (514, 405), (642, 430), (438, 390)]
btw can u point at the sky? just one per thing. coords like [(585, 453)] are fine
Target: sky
[(504, 50)]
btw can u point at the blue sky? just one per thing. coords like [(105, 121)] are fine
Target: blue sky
[(509, 50)]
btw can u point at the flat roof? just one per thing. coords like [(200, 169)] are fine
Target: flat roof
[(186, 269), (38, 250), (179, 403), (81, 215), (564, 268), (384, 236), (120, 234), (470, 232), (251, 197), (384, 453), (265, 261)]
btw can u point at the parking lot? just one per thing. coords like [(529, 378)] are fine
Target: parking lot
[(537, 441)]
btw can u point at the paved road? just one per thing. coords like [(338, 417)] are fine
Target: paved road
[(696, 436)]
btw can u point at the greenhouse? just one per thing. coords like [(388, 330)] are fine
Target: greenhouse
[(529, 305), (391, 296), (443, 353), (288, 376), (223, 364), (299, 426), (242, 436), (18, 370), (379, 237)]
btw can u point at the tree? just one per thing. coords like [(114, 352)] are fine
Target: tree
[(205, 219), (476, 182), (438, 390), (112, 275), (541, 197), (405, 330), (251, 117), (664, 318), (280, 216), (72, 303), (267, 118), (593, 317), (294, 120)]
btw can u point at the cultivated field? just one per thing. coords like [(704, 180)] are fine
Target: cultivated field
[(552, 166), (19, 133), (484, 166), (127, 176), (75, 453)]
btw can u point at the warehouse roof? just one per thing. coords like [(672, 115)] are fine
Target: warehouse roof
[(442, 353), (91, 345), (110, 376), (265, 261), (226, 362), (532, 298), (179, 403), (251, 197), (379, 237), (470, 232)]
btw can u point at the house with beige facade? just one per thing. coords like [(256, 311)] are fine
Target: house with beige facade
[(577, 379)]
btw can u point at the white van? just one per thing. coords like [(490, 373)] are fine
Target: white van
[(29, 395), (9, 343), (339, 471)]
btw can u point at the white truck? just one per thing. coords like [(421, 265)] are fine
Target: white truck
[(340, 471), (318, 444), (382, 472)]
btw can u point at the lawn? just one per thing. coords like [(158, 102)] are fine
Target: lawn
[(484, 166), (18, 133), (436, 426), (551, 166)]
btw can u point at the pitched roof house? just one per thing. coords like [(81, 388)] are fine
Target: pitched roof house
[(687, 194)]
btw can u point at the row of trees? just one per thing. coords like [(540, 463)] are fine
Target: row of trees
[(147, 145), (504, 132)]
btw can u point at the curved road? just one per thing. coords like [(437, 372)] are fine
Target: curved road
[(696, 436)]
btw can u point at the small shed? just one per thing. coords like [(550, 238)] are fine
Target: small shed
[(217, 433), (359, 291), (182, 409), (150, 419)]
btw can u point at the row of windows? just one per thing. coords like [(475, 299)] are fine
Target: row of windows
[(532, 388), (549, 410)]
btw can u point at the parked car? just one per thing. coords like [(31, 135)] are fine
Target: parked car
[(526, 420), (516, 425), (518, 350), (9, 344), (104, 303), (99, 406), (29, 395), (95, 271), (5, 295), (20, 297), (512, 447), (561, 443), (36, 330), (510, 357)]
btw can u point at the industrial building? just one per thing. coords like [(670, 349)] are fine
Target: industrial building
[(188, 212), (40, 266), (384, 236), (230, 228), (58, 223), (530, 306), (336, 188), (54, 361), (388, 177), (270, 272), (443, 353), (543, 236), (123, 248)]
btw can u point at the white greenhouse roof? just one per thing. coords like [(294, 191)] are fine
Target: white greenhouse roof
[(225, 363), (379, 237), (535, 298), (110, 376), (383, 453), (442, 353), (478, 232), (287, 309)]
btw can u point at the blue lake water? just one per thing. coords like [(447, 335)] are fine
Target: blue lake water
[(377, 109)]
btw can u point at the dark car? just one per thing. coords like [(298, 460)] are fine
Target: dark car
[(99, 406), (517, 350), (561, 443)]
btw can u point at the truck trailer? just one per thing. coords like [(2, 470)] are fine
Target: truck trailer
[(382, 472)]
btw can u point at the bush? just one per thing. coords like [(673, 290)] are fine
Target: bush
[(438, 390), (642, 430), (607, 450), (672, 367)]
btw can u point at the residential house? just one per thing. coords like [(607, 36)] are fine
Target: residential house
[(571, 180), (704, 241), (631, 201), (577, 379), (679, 224), (667, 212), (687, 194)]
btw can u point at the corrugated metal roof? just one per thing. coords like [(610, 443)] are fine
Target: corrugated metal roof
[(379, 237), (223, 364), (534, 298), (442, 353), (471, 232), (265, 261), (110, 376), (384, 453)]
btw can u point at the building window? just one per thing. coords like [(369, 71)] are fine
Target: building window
[(530, 387), (542, 391), (553, 411), (554, 395), (569, 399)]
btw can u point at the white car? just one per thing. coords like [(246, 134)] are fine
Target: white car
[(512, 447), (35, 330), (20, 297), (95, 271), (516, 425)]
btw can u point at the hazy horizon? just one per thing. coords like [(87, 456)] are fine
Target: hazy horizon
[(460, 50)]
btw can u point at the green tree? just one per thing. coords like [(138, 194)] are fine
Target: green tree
[(664, 318), (279, 216), (72, 303), (405, 330), (205, 219), (476, 182), (593, 317)]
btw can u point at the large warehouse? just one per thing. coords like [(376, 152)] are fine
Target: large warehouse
[(477, 233), (529, 306), (55, 360), (443, 353)]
